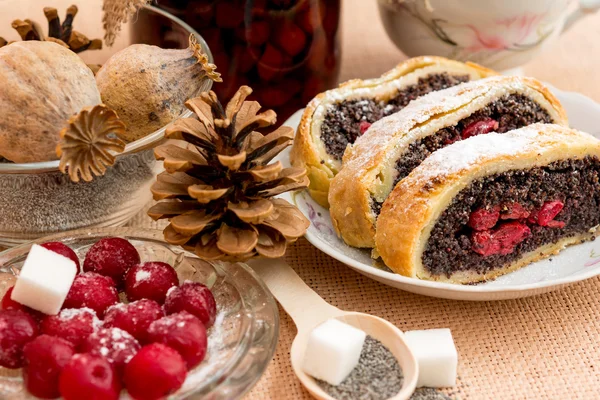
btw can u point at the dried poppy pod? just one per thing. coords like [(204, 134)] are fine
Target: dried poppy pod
[(218, 190)]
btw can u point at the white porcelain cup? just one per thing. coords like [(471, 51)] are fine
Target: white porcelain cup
[(500, 34)]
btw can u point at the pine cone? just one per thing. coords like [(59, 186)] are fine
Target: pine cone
[(217, 191)]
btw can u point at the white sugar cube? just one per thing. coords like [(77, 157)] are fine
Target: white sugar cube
[(333, 351), (436, 355), (44, 281)]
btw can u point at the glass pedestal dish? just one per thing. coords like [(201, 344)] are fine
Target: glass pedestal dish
[(240, 344), (35, 198)]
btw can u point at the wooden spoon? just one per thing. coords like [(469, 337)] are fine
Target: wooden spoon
[(309, 310)]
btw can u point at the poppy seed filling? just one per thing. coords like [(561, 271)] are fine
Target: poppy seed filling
[(575, 184), (341, 125), (512, 111)]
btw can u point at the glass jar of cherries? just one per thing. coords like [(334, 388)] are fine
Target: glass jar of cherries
[(286, 50)]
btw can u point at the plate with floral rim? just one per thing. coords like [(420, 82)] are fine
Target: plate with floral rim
[(574, 264)]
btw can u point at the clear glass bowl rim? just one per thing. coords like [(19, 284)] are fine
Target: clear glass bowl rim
[(144, 143), (153, 235)]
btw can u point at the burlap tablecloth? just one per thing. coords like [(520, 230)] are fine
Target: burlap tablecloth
[(545, 347)]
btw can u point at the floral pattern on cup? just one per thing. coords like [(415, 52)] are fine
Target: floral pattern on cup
[(495, 33)]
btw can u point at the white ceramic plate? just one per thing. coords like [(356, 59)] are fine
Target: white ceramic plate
[(574, 264)]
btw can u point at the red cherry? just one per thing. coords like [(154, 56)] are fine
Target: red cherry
[(269, 65), (111, 257), (254, 34), (483, 243), (182, 332), (514, 211), (480, 127), (134, 318), (89, 376), (155, 372), (194, 298), (364, 126), (116, 345), (45, 357), (74, 325), (290, 38), (150, 280), (63, 250), (93, 291), (548, 211), (510, 234), (17, 328), (483, 219), (10, 304)]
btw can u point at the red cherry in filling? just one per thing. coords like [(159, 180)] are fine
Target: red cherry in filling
[(155, 372), (483, 219), (10, 304), (111, 257), (134, 318), (116, 345), (88, 376), (500, 241), (546, 214), (480, 127), (194, 298), (514, 211), (483, 243), (63, 250), (45, 357), (17, 328), (182, 332), (510, 234), (93, 291), (150, 280), (363, 126), (73, 324)]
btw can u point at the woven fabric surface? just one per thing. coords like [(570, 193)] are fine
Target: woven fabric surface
[(543, 347)]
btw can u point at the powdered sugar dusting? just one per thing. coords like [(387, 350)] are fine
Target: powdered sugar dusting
[(171, 289), (70, 313), (142, 275), (388, 131), (217, 335)]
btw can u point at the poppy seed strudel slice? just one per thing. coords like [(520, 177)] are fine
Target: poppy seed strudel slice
[(492, 204), (397, 144), (335, 118)]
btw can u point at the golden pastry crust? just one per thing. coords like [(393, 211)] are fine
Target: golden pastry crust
[(307, 151), (369, 165), (416, 203)]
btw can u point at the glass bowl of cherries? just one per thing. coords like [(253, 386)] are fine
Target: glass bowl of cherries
[(139, 318)]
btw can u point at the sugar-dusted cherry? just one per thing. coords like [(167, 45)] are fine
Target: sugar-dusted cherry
[(182, 332), (45, 358), (93, 291), (10, 304), (150, 280), (194, 298), (154, 372), (63, 250), (89, 376), (116, 345), (72, 324), (17, 328), (134, 318), (111, 257)]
